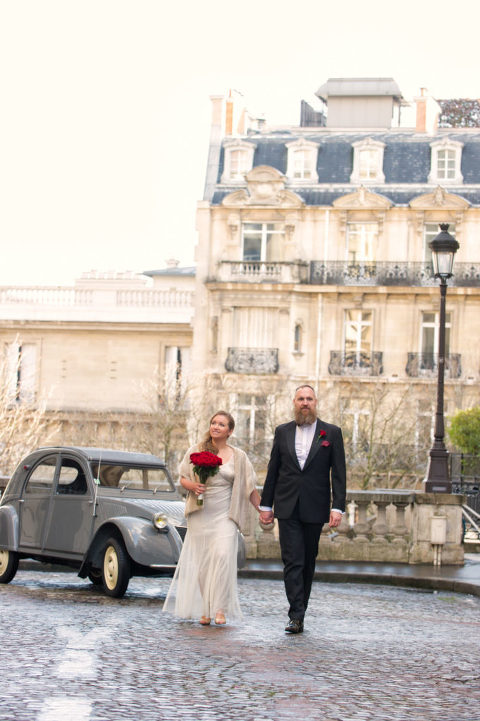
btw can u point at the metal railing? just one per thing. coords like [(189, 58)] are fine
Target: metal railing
[(388, 273), (355, 364), (426, 365), (252, 360), (465, 476)]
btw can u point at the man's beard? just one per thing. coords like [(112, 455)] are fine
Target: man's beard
[(300, 418)]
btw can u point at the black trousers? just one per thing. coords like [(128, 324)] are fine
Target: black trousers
[(299, 547)]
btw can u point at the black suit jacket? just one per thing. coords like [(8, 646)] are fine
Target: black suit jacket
[(320, 485)]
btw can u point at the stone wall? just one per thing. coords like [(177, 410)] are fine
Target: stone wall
[(383, 526)]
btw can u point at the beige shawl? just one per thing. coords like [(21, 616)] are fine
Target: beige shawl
[(243, 485)]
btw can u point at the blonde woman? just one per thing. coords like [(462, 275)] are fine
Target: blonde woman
[(205, 581)]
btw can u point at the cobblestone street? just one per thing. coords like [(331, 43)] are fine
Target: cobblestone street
[(369, 653)]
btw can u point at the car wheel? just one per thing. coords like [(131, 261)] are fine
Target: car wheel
[(8, 565), (115, 568), (95, 576)]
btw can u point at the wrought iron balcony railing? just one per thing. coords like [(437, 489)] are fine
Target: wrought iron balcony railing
[(367, 273), (388, 273), (258, 361), (426, 365), (355, 364)]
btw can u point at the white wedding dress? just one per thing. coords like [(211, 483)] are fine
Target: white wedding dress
[(205, 581)]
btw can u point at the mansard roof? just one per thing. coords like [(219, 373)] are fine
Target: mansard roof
[(406, 163)]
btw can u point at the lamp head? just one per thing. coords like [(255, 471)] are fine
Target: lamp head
[(443, 246)]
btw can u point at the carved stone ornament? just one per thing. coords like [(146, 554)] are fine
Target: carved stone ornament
[(233, 223), (362, 198), (439, 199), (265, 186)]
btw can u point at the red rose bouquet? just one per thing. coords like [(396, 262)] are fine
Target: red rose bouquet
[(205, 464)]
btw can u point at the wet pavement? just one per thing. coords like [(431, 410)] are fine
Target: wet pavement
[(368, 653)]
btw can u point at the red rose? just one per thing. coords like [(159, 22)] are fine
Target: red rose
[(205, 464), (323, 433), (205, 459)]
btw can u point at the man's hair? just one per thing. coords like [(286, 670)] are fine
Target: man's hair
[(305, 385)]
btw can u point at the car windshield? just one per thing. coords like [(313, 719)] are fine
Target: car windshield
[(139, 478)]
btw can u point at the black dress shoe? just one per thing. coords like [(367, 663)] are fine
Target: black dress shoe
[(294, 626)]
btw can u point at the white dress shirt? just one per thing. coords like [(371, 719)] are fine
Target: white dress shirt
[(303, 441)]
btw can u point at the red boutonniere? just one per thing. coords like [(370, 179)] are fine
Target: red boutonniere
[(322, 438), (205, 464)]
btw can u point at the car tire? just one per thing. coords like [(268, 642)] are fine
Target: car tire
[(115, 568), (95, 576), (8, 565)]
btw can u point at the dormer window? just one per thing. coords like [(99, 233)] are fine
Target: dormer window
[(368, 162), (238, 160), (302, 161), (446, 162)]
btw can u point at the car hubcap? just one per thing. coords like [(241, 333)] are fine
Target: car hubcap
[(3, 561), (110, 566)]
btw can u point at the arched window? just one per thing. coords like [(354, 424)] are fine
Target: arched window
[(368, 162), (446, 162), (238, 160), (297, 338), (302, 161)]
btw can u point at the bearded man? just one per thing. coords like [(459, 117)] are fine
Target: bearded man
[(305, 487)]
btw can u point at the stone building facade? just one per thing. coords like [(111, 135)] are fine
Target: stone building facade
[(103, 358), (313, 265)]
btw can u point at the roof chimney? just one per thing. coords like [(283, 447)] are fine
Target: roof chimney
[(428, 111)]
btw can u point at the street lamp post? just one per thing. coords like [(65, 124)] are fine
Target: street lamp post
[(444, 246)]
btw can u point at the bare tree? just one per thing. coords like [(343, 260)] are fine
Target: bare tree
[(160, 429), (24, 423), (386, 436)]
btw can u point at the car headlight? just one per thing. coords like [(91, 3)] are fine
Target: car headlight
[(160, 521)]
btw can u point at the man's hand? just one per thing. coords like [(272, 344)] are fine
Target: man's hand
[(266, 517), (335, 519)]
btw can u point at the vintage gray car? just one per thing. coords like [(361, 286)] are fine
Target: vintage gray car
[(110, 514)]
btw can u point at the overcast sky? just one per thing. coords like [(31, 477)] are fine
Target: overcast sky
[(105, 108)]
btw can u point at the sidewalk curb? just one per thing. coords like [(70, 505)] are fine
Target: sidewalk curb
[(458, 579)]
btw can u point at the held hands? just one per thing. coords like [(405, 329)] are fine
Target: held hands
[(266, 517), (335, 519)]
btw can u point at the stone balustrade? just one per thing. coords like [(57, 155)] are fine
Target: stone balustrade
[(96, 304), (386, 526), (256, 271)]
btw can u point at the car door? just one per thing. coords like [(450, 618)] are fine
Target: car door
[(35, 503), (71, 518)]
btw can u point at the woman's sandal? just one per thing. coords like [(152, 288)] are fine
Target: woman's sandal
[(205, 621), (220, 619)]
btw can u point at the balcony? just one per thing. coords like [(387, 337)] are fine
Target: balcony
[(257, 361), (355, 364), (253, 271), (425, 365), (388, 273)]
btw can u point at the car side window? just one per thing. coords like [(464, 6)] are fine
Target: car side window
[(42, 476), (71, 479)]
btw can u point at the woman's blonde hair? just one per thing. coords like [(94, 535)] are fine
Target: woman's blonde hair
[(207, 443)]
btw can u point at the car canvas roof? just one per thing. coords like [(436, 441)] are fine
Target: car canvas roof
[(111, 455)]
